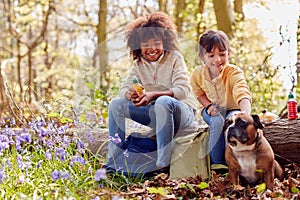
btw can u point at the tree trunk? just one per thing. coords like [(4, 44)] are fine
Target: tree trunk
[(179, 7), (162, 5), (102, 46), (201, 27), (30, 76), (224, 16), (284, 137), (238, 8), (2, 91)]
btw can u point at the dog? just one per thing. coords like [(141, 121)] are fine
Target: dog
[(248, 154)]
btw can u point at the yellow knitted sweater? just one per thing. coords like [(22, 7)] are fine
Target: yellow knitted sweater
[(227, 89)]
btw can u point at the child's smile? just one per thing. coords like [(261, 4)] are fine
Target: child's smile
[(152, 49)]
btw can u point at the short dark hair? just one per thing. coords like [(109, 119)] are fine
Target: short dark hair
[(153, 25), (212, 39)]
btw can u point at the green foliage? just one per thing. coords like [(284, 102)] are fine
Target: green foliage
[(261, 187), (64, 67), (295, 190), (203, 185), (249, 52), (160, 190)]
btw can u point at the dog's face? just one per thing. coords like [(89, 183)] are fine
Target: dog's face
[(241, 131)]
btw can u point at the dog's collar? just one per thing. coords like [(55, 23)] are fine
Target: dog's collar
[(257, 140)]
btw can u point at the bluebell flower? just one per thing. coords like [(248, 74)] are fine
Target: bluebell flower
[(38, 165), (100, 120), (77, 159), (12, 122), (48, 155), (100, 174), (50, 144), (20, 161), (80, 144), (43, 122), (61, 129), (96, 198), (126, 154), (116, 139), (65, 175), (66, 140), (25, 137), (60, 153), (4, 138), (44, 132), (91, 116), (4, 145), (18, 145), (55, 175), (57, 139), (8, 163), (2, 175), (115, 197)]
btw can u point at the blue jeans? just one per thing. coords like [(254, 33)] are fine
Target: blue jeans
[(216, 142), (165, 116)]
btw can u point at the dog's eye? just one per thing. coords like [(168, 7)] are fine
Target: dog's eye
[(233, 143), (241, 123)]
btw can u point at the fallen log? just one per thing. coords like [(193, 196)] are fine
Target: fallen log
[(282, 134), (284, 137)]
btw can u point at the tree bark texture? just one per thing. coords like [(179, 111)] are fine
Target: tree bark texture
[(284, 137), (224, 15)]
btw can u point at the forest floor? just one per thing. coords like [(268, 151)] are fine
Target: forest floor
[(217, 187)]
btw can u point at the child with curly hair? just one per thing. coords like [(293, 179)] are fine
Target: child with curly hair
[(168, 103)]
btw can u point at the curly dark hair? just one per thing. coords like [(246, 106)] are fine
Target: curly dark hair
[(157, 24)]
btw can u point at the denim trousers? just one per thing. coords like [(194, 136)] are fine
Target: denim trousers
[(164, 116), (216, 142)]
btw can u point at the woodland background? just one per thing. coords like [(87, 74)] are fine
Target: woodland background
[(69, 57)]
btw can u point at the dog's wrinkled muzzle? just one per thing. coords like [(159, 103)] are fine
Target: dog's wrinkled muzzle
[(236, 134)]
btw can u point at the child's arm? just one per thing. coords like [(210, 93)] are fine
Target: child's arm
[(245, 105), (203, 100)]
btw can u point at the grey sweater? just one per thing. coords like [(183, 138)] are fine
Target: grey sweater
[(168, 73)]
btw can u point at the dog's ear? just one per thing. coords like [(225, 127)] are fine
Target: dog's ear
[(257, 122), (227, 123)]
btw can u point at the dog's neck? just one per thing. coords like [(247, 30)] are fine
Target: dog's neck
[(241, 147), (257, 140)]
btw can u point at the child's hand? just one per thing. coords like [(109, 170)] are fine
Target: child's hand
[(132, 95), (214, 109), (144, 99)]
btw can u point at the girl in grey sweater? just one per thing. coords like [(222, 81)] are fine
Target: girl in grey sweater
[(168, 103)]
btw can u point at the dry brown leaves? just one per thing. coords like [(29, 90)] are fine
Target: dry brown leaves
[(218, 187)]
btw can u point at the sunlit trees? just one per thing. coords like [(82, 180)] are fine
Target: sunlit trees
[(50, 49)]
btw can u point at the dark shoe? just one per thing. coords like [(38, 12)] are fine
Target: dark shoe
[(219, 169), (165, 170)]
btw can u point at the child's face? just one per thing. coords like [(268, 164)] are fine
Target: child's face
[(152, 49), (216, 59)]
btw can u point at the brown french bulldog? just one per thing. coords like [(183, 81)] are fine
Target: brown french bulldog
[(249, 156)]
